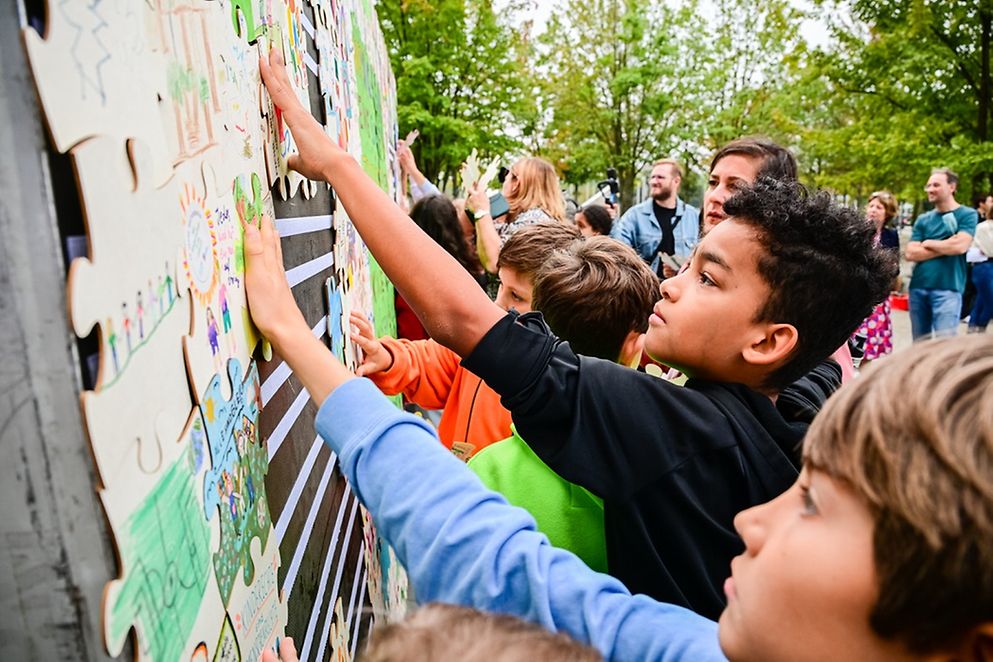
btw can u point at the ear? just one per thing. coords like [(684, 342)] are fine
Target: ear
[(775, 343), (631, 349)]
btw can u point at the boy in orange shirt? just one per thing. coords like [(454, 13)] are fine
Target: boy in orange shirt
[(431, 375)]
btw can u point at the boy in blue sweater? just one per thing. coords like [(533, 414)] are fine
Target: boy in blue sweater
[(879, 551), (771, 292)]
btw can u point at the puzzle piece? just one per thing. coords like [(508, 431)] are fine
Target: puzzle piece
[(257, 612), (164, 551), (135, 303), (96, 76), (235, 484), (212, 268)]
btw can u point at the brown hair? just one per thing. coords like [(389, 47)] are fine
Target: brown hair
[(777, 162), (446, 633), (914, 439), (594, 294), (950, 176), (531, 246), (537, 188), (673, 165), (888, 201)]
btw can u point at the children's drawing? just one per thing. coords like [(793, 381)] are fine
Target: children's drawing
[(234, 486), (164, 547), (175, 146)]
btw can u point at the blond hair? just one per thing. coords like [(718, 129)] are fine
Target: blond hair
[(674, 168), (447, 633), (537, 188), (914, 439)]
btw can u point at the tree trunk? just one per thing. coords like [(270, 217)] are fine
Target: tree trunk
[(625, 177)]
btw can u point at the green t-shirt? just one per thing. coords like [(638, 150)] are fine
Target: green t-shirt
[(947, 272), (569, 515)]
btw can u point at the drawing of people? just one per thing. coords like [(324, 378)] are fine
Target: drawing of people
[(212, 332), (222, 295), (168, 284), (112, 343), (251, 489), (161, 294), (140, 316), (239, 436), (126, 324), (153, 299)]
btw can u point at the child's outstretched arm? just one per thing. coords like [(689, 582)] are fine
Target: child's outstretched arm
[(274, 311), (448, 301)]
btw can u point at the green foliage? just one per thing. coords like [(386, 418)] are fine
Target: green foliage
[(461, 80)]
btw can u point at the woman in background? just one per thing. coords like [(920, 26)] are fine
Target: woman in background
[(878, 326), (437, 216), (594, 220), (533, 194)]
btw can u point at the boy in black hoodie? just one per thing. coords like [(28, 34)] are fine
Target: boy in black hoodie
[(771, 292)]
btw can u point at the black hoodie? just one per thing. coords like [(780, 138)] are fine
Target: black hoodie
[(672, 464)]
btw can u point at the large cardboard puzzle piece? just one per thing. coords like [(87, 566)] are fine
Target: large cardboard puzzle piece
[(175, 145)]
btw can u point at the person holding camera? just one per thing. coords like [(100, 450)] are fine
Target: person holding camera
[(662, 224)]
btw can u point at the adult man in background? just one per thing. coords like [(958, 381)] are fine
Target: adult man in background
[(663, 223), (938, 245)]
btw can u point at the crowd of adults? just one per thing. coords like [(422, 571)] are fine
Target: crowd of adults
[(951, 246)]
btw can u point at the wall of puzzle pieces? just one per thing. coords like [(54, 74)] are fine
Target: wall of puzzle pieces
[(232, 524)]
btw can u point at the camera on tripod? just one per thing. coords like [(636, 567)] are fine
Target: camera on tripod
[(609, 188)]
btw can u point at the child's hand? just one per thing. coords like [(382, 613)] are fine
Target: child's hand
[(376, 357), (287, 652), (317, 150), (269, 298)]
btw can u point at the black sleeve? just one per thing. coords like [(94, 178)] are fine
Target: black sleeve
[(600, 425)]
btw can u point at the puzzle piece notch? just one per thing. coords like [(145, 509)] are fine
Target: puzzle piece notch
[(91, 71), (234, 486)]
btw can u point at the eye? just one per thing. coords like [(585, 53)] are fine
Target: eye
[(712, 182), (809, 507), (516, 297), (705, 279)]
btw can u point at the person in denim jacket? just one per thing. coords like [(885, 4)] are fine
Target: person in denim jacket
[(663, 223)]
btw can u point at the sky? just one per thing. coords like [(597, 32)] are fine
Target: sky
[(813, 31)]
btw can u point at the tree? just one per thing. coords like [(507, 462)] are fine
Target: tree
[(630, 81), (906, 86), (461, 79)]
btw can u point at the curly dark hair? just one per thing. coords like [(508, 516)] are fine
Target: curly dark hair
[(436, 215), (824, 270)]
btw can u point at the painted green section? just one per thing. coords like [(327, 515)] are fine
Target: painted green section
[(370, 112), (165, 554)]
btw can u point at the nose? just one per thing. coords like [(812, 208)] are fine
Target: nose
[(669, 288), (749, 525)]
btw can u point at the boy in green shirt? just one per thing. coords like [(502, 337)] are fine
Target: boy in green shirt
[(596, 296)]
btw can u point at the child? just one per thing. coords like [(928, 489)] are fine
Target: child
[(596, 296), (770, 293), (880, 550), (431, 375)]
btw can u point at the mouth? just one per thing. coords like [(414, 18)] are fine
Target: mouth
[(656, 319), (716, 216), (729, 590)]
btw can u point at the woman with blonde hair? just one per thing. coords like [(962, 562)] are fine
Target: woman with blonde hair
[(533, 195), (878, 326)]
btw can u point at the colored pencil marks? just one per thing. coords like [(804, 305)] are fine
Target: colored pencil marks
[(234, 486), (165, 550)]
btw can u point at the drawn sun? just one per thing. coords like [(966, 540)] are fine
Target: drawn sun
[(200, 254)]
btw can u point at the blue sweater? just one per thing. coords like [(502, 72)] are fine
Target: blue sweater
[(464, 544)]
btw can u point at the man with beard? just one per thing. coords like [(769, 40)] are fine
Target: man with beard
[(661, 224)]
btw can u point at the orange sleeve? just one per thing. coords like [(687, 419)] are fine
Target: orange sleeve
[(422, 370)]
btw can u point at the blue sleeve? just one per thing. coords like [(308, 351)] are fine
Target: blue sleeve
[(464, 544), (623, 229)]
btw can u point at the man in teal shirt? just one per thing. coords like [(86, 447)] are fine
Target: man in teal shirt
[(938, 245)]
